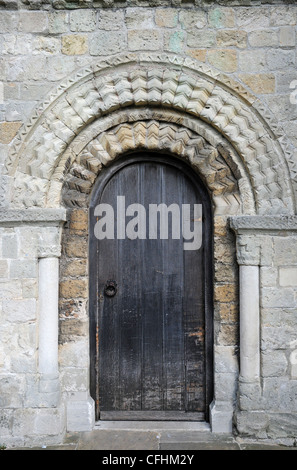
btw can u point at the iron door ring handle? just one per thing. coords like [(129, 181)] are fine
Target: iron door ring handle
[(110, 288)]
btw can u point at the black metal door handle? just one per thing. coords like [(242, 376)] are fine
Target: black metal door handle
[(110, 288)]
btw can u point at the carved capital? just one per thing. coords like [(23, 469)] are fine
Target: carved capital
[(248, 250)]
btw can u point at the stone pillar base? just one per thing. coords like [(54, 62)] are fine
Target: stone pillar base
[(80, 414), (221, 417)]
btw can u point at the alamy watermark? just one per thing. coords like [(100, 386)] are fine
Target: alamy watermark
[(160, 221)]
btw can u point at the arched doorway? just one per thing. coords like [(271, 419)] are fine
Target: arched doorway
[(151, 291)]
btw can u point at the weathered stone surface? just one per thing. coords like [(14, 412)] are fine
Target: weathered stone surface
[(288, 277), (82, 21), (144, 39), (231, 38), (224, 59), (259, 83), (166, 17), (73, 288), (192, 19), (19, 311), (263, 38), (221, 18), (74, 44), (111, 20), (33, 22), (8, 131), (107, 42), (200, 39)]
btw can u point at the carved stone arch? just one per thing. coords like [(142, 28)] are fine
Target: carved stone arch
[(155, 136), (163, 82)]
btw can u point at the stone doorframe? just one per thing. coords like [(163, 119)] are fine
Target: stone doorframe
[(164, 103)]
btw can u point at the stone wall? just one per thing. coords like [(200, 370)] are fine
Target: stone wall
[(42, 44)]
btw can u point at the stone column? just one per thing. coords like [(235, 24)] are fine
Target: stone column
[(248, 257), (249, 298), (48, 328), (49, 251)]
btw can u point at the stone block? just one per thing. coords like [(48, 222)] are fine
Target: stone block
[(108, 42), (111, 20), (280, 59), (58, 67), (288, 277), (283, 16), (253, 18), (174, 41), (201, 39), (20, 269), (253, 61), (8, 131), (276, 298), (259, 83), (3, 269), (11, 289), (48, 45), (252, 423), (76, 247), (221, 18), (58, 22), (19, 311), (192, 19), (263, 38), (282, 425), (6, 423), (166, 17), (139, 18), (74, 354), (145, 39), (33, 22), (9, 246), (268, 276), (225, 293), (83, 20), (226, 360), (12, 390), (197, 54), (274, 363), (285, 251), (74, 44), (287, 36), (74, 268), (221, 417), (74, 288), (224, 59), (232, 38), (78, 221), (75, 380), (8, 21), (80, 415), (29, 288), (48, 422)]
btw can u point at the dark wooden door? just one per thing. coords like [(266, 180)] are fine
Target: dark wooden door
[(151, 341)]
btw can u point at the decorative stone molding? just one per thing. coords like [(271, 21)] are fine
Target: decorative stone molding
[(153, 136), (168, 82)]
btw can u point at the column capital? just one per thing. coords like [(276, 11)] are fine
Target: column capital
[(251, 233)]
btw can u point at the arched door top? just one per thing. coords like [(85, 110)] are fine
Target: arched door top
[(169, 82)]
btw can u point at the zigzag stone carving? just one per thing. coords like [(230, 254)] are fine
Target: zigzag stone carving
[(182, 86), (154, 136)]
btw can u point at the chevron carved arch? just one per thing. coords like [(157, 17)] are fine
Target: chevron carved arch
[(159, 82), (153, 136)]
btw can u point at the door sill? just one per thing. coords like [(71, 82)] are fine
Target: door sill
[(151, 416), (198, 426)]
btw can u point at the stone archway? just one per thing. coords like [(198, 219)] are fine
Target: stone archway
[(154, 81), (156, 102)]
